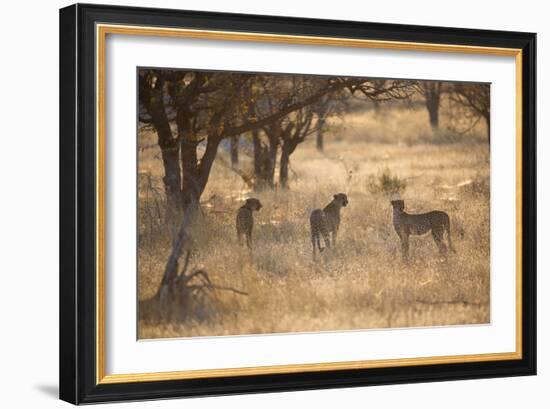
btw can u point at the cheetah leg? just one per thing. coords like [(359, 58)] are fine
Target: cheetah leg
[(326, 238), (404, 247), (437, 234), (327, 242), (249, 240)]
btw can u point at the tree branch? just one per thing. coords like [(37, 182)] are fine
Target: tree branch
[(252, 125)]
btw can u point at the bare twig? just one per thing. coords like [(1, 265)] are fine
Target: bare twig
[(247, 179), (347, 169)]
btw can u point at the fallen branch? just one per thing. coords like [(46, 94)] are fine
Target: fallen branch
[(186, 293), (450, 302), (184, 279), (218, 287)]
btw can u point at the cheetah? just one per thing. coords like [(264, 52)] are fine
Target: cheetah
[(245, 220), (406, 224), (325, 222)]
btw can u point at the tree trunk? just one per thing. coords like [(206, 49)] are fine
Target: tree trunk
[(196, 174), (320, 135), (171, 268), (272, 159), (432, 98), (170, 156), (260, 159), (257, 144), (189, 163), (432, 105), (234, 151), (264, 161), (207, 161), (283, 167), (172, 177)]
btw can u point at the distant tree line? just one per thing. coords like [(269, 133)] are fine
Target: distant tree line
[(192, 109), (469, 101)]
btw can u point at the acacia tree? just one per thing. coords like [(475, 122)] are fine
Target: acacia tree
[(292, 130), (294, 133), (326, 107), (474, 102), (199, 105), (264, 142), (274, 93), (289, 131)]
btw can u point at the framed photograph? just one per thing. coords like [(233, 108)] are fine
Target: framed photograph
[(257, 203)]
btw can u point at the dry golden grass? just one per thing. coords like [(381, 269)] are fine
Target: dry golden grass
[(360, 284)]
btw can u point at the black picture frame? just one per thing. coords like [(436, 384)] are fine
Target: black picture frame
[(78, 360)]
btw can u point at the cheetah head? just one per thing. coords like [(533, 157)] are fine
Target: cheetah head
[(341, 198), (253, 204), (398, 205)]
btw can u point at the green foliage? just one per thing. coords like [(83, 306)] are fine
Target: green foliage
[(386, 182)]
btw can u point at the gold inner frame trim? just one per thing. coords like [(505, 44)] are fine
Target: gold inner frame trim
[(101, 33)]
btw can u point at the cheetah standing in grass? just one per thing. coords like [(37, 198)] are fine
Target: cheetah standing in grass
[(325, 222), (245, 220), (406, 224)]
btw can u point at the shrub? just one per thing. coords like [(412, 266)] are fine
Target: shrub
[(386, 182)]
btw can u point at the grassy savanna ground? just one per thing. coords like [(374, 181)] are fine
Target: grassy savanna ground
[(360, 284)]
